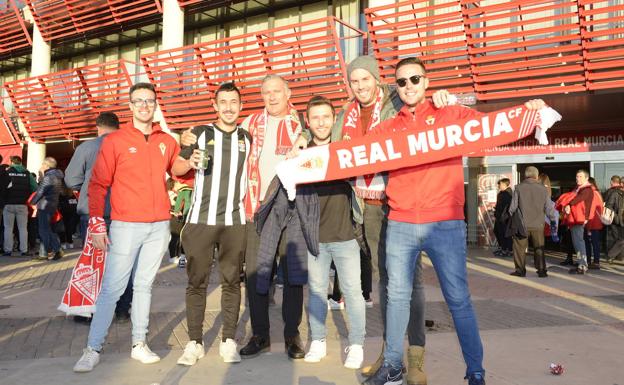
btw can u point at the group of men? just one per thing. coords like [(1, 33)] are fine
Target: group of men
[(395, 216)]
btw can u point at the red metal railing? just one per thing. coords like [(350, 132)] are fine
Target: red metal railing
[(8, 132), (65, 104), (13, 31), (602, 29), (509, 49), (309, 55), (58, 19)]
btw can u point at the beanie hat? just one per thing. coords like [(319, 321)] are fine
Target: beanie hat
[(367, 63)]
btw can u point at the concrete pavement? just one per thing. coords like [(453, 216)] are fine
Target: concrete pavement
[(526, 323)]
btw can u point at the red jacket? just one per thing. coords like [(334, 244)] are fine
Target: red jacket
[(562, 202), (431, 192), (134, 168), (597, 206)]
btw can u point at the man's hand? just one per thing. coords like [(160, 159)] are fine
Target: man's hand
[(188, 138), (535, 104), (300, 144), (440, 98), (567, 209), (100, 241), (195, 159)]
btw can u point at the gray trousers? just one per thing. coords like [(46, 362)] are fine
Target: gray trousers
[(10, 214)]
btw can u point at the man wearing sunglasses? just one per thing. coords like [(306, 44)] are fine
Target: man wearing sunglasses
[(132, 162), (374, 103), (427, 214)]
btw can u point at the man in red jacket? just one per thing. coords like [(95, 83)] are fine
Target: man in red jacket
[(427, 214), (132, 161)]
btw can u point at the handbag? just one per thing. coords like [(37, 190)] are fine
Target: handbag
[(606, 217)]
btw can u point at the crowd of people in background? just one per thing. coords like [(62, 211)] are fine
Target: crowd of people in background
[(37, 209), (576, 220)]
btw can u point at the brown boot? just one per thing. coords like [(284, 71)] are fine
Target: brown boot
[(415, 362), (369, 370)]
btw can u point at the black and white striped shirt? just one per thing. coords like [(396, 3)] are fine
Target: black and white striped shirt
[(220, 189)]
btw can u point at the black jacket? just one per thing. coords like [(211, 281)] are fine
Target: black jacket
[(19, 185), (503, 201), (47, 196), (301, 220), (614, 199)]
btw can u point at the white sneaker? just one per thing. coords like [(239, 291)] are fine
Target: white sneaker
[(63, 246), (141, 352), (318, 350), (87, 362), (174, 260), (228, 350), (335, 305), (355, 356), (70, 245), (192, 353), (368, 303)]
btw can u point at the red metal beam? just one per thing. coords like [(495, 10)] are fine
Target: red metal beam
[(308, 55), (13, 30), (508, 49), (64, 105), (58, 19)]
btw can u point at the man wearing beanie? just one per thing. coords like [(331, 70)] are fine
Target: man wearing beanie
[(373, 103)]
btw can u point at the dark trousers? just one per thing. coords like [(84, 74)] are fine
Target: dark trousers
[(48, 237), (504, 242), (292, 302), (614, 234), (70, 221), (592, 245), (375, 235), (199, 242), (536, 236), (125, 301)]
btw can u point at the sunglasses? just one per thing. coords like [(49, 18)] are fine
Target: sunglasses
[(402, 82)]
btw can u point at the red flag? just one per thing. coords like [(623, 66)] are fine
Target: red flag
[(86, 280)]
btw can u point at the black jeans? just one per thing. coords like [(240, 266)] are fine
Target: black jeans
[(292, 302), (592, 245), (199, 241)]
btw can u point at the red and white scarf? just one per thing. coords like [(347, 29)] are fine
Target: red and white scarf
[(86, 280), (408, 148), (371, 186), (288, 130)]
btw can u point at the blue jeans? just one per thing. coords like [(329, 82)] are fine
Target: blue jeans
[(346, 257), (138, 246), (445, 244), (578, 232), (48, 237)]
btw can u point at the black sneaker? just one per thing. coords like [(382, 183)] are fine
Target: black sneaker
[(122, 316), (566, 262), (386, 375), (256, 346), (82, 320), (7, 254), (516, 273), (476, 379), (542, 274)]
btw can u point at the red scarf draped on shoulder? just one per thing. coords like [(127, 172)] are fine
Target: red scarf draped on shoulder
[(287, 132), (371, 186)]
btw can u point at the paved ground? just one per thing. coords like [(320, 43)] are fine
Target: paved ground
[(526, 323)]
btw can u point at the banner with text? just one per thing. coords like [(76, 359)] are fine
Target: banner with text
[(560, 143), (408, 147)]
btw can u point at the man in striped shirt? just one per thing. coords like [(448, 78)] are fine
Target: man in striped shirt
[(216, 218)]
